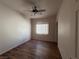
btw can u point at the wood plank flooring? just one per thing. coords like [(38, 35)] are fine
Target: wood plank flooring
[(33, 49)]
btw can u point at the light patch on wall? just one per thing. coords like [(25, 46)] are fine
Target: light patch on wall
[(42, 29)]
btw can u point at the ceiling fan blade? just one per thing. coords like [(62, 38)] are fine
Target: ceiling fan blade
[(42, 10)]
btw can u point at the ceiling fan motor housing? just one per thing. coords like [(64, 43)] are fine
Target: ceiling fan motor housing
[(35, 9)]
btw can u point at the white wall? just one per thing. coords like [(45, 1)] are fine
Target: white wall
[(52, 35), (66, 29), (14, 29)]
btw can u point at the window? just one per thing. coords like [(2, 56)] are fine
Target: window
[(42, 28)]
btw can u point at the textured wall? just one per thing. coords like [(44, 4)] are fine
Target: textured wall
[(66, 29), (14, 29)]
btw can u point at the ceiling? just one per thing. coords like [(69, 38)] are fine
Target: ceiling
[(22, 6)]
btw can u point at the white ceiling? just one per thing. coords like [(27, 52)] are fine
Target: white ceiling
[(22, 6)]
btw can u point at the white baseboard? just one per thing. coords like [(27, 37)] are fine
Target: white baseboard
[(11, 47)]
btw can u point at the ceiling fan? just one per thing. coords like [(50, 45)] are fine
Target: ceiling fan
[(35, 10)]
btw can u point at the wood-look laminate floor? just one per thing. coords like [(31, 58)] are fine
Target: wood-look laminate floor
[(33, 50)]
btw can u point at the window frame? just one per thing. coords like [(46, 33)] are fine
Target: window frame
[(38, 31)]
